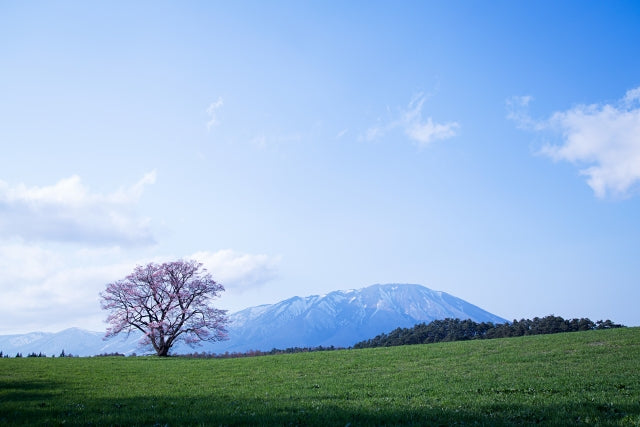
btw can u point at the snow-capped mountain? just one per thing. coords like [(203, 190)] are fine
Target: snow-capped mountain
[(340, 319), (74, 341)]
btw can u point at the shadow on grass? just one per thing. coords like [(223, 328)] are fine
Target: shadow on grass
[(25, 391), (23, 402), (33, 403)]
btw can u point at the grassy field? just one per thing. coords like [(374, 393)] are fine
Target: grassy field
[(576, 378)]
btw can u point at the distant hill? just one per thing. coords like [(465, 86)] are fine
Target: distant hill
[(340, 318), (74, 341)]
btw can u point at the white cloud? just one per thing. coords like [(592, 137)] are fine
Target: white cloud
[(212, 111), (238, 270), (376, 132), (19, 262), (632, 96), (517, 111), (602, 139), (69, 211), (411, 122), (49, 286), (425, 132)]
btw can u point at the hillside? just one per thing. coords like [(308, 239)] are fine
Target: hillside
[(589, 378)]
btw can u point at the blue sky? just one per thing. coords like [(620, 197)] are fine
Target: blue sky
[(488, 150)]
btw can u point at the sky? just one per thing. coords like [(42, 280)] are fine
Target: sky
[(490, 150)]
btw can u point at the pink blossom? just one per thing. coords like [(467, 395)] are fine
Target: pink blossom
[(168, 303)]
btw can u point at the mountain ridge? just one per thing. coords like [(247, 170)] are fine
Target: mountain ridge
[(339, 318)]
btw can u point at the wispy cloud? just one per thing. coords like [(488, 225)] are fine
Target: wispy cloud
[(517, 110), (602, 139), (212, 112), (410, 120), (69, 211), (425, 132)]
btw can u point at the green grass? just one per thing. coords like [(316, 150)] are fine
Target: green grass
[(590, 378)]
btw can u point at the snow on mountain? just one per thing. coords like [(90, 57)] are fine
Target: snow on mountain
[(340, 319), (75, 341)]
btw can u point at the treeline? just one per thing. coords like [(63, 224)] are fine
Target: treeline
[(28, 355), (461, 330), (34, 354), (254, 353)]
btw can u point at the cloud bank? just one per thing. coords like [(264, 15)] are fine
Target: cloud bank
[(69, 212), (48, 287), (57, 287), (49, 284), (239, 270), (603, 140)]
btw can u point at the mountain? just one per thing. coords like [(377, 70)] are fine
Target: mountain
[(340, 319), (74, 341)]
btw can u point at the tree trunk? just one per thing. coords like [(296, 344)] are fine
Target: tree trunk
[(162, 345)]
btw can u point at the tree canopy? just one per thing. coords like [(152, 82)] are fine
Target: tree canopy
[(168, 303)]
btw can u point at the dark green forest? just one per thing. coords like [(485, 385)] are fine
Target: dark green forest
[(462, 330)]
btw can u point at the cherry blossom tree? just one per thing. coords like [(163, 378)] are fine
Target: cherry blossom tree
[(168, 303)]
